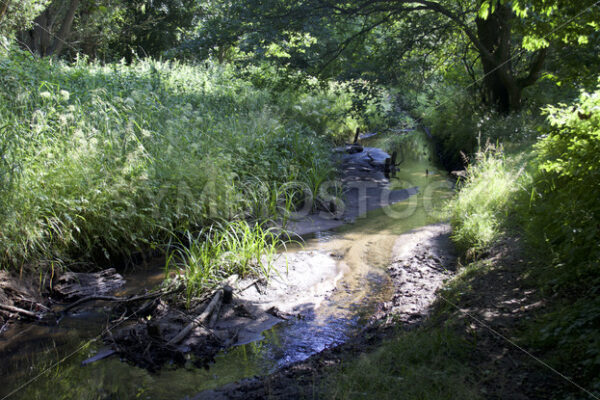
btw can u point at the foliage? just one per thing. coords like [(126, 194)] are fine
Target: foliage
[(108, 29), (98, 160), (148, 28), (390, 41), (479, 211), (567, 333), (19, 14), (554, 205), (460, 126), (562, 205)]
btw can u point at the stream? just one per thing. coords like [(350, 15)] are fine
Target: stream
[(41, 362)]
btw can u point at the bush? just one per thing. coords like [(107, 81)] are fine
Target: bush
[(479, 212), (565, 208), (461, 126)]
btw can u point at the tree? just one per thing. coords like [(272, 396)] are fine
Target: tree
[(150, 27), (113, 28), (51, 29), (16, 14), (512, 39)]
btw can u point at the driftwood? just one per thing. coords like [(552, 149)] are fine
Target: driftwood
[(249, 285), (461, 173), (101, 355), (215, 302), (20, 311), (215, 313), (120, 299), (73, 285)]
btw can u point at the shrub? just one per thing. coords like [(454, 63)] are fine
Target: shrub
[(564, 208), (479, 212)]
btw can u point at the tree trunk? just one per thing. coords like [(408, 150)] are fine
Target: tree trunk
[(41, 39), (503, 88), (65, 28), (494, 34), (3, 8)]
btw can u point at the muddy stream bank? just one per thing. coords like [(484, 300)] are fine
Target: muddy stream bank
[(355, 248)]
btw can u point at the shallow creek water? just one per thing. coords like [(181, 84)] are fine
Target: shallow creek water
[(30, 354)]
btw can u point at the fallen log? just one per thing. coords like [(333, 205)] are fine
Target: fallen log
[(76, 285), (215, 302), (215, 313)]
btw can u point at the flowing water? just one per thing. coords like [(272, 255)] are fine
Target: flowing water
[(44, 362)]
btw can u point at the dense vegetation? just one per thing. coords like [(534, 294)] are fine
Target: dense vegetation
[(100, 160), (105, 150)]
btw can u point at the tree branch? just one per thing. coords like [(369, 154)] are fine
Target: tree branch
[(340, 49), (535, 69), (437, 7)]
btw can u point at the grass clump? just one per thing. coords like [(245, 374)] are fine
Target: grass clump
[(423, 364), (222, 250), (555, 208), (479, 211)]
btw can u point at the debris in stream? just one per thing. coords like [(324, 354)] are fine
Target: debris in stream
[(177, 330), (19, 299), (171, 335), (71, 286)]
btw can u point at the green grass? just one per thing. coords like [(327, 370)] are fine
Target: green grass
[(479, 213), (542, 193), (428, 363), (221, 250), (547, 195), (101, 160)]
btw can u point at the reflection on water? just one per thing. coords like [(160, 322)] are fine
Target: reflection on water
[(363, 248), (325, 236)]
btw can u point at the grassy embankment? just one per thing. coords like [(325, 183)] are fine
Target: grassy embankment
[(527, 221), (99, 161)]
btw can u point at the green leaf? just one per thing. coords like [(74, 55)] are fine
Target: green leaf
[(484, 10)]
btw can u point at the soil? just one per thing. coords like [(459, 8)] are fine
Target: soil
[(500, 301)]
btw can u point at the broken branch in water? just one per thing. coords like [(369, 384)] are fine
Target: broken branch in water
[(121, 299), (20, 311), (215, 302)]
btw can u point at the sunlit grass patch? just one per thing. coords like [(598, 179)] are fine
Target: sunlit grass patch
[(479, 211), (101, 160), (221, 250)]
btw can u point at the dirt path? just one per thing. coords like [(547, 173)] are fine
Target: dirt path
[(499, 302)]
